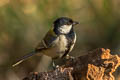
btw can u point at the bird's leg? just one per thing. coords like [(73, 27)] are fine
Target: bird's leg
[(54, 65)]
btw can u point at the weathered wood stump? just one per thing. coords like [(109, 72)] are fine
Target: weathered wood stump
[(98, 64)]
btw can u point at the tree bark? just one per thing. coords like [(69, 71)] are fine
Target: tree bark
[(98, 64)]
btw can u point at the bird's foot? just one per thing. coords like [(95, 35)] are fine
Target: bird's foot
[(55, 66), (69, 57)]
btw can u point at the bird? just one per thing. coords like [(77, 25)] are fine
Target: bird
[(58, 42)]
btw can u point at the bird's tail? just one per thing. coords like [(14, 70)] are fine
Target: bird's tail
[(24, 58)]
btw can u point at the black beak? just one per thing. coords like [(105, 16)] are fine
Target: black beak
[(75, 23)]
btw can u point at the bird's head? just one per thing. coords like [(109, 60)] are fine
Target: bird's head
[(64, 25)]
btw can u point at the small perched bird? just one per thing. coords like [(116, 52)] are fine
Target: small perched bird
[(58, 41)]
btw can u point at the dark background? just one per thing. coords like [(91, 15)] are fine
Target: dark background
[(23, 23)]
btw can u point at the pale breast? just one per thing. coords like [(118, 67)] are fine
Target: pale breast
[(62, 43)]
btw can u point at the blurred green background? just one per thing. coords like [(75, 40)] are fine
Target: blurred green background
[(23, 23)]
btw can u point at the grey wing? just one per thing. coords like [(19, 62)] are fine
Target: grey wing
[(47, 42)]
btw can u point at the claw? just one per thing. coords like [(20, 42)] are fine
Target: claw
[(69, 57), (54, 66)]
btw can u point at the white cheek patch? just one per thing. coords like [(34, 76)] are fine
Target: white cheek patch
[(65, 29)]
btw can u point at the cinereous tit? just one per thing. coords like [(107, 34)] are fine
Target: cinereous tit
[(58, 41)]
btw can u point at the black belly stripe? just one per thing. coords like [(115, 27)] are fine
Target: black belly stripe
[(70, 39)]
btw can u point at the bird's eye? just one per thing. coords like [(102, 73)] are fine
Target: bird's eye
[(71, 21), (68, 23)]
